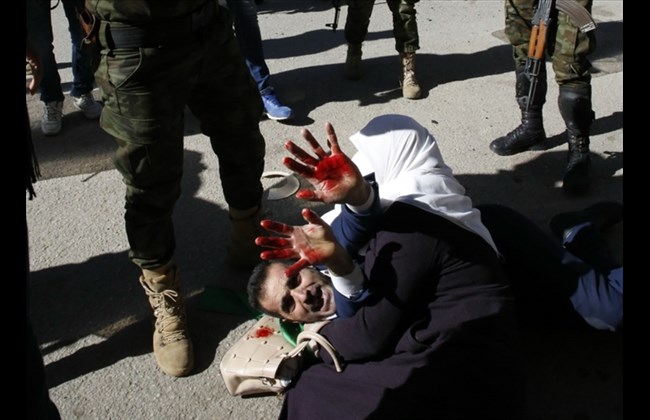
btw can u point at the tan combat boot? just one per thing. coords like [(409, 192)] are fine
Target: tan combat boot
[(171, 342), (407, 80), (353, 62), (245, 226)]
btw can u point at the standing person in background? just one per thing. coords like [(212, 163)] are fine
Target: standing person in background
[(248, 34), (39, 31), (157, 58), (405, 31), (568, 49)]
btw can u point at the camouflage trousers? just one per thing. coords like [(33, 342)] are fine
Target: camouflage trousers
[(405, 28), (566, 46), (145, 93)]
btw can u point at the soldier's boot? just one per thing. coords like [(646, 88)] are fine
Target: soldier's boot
[(575, 108), (172, 346), (408, 82), (242, 253), (353, 62), (531, 130)]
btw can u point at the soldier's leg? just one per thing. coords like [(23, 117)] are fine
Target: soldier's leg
[(573, 74), (152, 174), (407, 42), (405, 27), (149, 133), (356, 29), (228, 104), (519, 14)]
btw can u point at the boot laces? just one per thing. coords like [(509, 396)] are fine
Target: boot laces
[(523, 136), (52, 111), (578, 152), (409, 78), (576, 159), (519, 131), (167, 308)]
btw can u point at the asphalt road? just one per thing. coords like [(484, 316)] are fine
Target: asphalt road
[(91, 315)]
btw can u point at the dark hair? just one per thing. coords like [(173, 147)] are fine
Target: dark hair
[(255, 287)]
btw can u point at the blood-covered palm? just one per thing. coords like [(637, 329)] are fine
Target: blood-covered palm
[(333, 177), (310, 243)]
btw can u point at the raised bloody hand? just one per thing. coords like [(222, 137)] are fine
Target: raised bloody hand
[(312, 243), (336, 179)]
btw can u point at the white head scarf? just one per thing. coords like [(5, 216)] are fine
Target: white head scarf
[(408, 167)]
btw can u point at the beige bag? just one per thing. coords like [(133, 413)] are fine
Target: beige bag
[(263, 362)]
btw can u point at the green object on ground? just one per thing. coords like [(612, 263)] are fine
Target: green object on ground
[(227, 301), (290, 331)]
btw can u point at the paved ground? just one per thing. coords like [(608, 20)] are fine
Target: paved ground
[(91, 315)]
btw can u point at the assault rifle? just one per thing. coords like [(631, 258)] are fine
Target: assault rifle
[(539, 35), (337, 12)]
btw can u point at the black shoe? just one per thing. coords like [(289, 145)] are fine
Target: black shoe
[(576, 174), (521, 139), (601, 215)]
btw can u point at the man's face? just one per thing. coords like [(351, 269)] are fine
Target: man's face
[(307, 297)]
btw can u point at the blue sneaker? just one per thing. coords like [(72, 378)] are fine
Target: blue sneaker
[(273, 108)]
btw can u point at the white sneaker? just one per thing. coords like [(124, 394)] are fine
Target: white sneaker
[(52, 120), (88, 105)]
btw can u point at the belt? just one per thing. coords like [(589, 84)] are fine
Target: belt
[(119, 35)]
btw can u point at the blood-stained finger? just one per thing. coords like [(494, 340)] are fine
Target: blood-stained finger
[(277, 227), (309, 195), (273, 242), (316, 147), (300, 153), (296, 267), (278, 254), (297, 167), (311, 217), (332, 139)]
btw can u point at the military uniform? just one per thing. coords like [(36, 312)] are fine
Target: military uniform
[(146, 89), (405, 31), (405, 25), (568, 49), (157, 57)]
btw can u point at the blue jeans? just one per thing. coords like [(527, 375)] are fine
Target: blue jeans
[(247, 30), (39, 33)]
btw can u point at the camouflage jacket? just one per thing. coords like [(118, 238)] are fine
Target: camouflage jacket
[(142, 12)]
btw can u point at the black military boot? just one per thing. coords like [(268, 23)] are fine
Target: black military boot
[(575, 108), (531, 129)]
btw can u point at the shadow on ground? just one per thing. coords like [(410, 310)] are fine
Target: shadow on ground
[(568, 369)]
